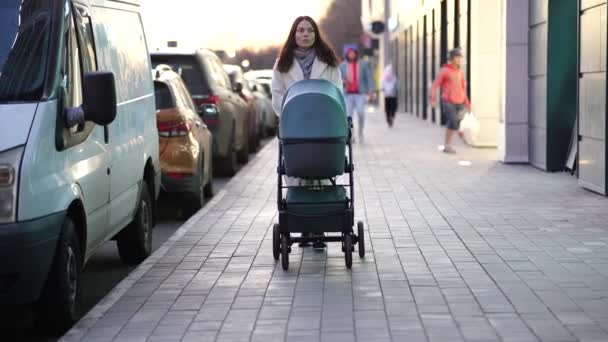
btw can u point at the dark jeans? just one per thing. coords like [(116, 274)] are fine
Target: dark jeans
[(390, 107)]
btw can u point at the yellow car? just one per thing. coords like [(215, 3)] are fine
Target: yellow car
[(185, 142)]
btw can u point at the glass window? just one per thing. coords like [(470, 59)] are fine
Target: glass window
[(84, 31), (70, 70), (187, 68), (164, 98), (218, 73), (187, 98), (73, 66), (24, 48)]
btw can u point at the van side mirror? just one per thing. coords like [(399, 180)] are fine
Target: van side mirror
[(254, 88), (238, 87), (99, 97)]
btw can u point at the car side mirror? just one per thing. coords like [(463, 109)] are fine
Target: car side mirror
[(209, 113), (238, 87), (99, 97)]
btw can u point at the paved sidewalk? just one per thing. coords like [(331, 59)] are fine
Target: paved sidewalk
[(455, 252)]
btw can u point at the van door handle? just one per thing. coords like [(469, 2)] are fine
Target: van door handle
[(108, 171)]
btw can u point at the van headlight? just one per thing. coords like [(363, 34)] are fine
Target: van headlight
[(9, 181)]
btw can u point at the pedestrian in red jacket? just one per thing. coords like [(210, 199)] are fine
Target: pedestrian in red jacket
[(453, 95)]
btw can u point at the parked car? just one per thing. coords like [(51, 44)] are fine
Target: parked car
[(235, 73), (78, 147), (263, 76), (260, 75), (270, 120), (208, 83), (185, 142)]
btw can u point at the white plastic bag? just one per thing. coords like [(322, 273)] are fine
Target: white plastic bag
[(469, 126)]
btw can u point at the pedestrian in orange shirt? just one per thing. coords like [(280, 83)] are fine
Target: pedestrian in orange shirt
[(453, 95)]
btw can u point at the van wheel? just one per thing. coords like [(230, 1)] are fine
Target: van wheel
[(135, 240), (57, 308)]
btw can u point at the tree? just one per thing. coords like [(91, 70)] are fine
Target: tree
[(342, 24), (261, 59)]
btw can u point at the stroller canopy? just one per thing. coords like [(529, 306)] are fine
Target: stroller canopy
[(313, 130), (313, 109)]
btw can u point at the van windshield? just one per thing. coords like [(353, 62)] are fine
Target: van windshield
[(24, 47)]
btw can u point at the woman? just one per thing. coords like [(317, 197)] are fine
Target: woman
[(304, 56), (389, 88)]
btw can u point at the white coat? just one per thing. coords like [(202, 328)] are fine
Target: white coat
[(282, 81)]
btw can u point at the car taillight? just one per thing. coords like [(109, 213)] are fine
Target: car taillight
[(175, 175), (207, 99), (173, 129), (210, 121)]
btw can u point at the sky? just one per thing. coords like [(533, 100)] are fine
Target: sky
[(224, 24)]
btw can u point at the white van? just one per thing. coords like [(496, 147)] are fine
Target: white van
[(78, 146)]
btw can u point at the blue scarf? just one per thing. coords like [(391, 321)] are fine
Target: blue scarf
[(305, 58)]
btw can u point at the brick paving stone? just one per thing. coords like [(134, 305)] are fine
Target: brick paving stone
[(455, 252)]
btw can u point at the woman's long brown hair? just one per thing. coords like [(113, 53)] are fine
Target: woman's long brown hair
[(324, 51)]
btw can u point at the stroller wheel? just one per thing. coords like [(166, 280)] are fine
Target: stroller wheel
[(348, 250), (276, 242), (361, 239), (285, 251)]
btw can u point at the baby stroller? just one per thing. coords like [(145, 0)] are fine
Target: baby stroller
[(314, 145)]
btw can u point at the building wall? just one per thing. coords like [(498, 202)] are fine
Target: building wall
[(486, 55), (513, 129), (592, 96), (538, 82), (533, 70)]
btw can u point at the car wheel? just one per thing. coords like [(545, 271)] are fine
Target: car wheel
[(135, 240), (208, 189), (196, 200), (228, 165), (57, 309), (271, 132), (253, 143), (243, 154)]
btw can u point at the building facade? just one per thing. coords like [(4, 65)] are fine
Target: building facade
[(536, 72)]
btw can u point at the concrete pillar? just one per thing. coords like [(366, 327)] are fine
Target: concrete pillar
[(487, 67), (387, 35), (513, 120)]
